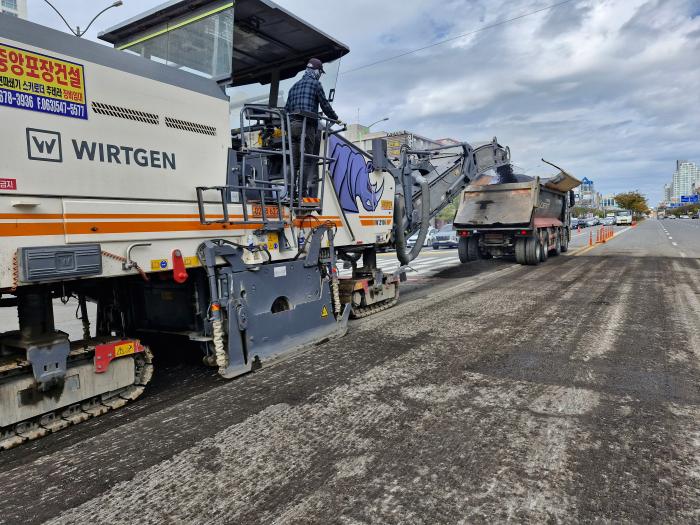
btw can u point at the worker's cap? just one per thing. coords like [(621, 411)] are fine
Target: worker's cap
[(315, 63)]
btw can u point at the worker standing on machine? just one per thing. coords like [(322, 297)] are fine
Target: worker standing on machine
[(304, 99)]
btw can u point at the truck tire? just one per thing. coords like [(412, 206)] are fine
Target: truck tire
[(520, 247), (463, 249), (564, 241), (533, 251), (544, 250), (557, 246), (468, 249)]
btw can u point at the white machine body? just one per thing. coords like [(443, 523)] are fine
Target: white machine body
[(123, 167)]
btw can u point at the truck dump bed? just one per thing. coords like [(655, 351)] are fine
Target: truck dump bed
[(497, 204), (517, 204)]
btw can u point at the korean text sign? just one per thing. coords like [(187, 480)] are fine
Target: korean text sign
[(39, 82)]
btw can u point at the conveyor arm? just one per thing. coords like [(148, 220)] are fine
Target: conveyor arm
[(428, 180)]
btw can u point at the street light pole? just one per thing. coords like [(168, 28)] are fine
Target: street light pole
[(77, 32), (377, 122)]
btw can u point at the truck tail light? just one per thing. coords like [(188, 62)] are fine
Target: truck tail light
[(463, 233)]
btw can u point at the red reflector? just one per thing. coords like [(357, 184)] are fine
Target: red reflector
[(179, 270), (464, 233), (523, 232)]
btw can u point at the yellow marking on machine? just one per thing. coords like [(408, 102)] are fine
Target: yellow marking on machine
[(159, 264), (124, 349), (191, 262)]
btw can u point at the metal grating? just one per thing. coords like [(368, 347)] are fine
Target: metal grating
[(190, 126), (126, 113)]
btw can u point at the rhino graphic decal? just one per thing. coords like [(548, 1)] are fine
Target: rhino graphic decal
[(350, 174)]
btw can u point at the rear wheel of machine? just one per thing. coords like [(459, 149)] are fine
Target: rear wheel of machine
[(533, 251)]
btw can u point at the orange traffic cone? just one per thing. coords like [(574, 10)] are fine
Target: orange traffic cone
[(590, 238)]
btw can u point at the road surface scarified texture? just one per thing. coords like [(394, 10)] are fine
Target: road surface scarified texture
[(567, 391)]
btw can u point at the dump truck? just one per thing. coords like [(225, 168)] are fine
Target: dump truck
[(515, 215)]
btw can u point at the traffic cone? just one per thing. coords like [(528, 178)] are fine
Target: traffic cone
[(590, 238)]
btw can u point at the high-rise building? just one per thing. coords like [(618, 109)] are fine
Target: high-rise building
[(14, 8), (668, 192), (586, 194), (687, 173)]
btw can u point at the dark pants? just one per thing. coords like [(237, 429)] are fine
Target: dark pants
[(312, 145)]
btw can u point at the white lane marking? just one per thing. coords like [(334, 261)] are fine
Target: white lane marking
[(421, 267), (675, 243), (682, 254), (670, 238)]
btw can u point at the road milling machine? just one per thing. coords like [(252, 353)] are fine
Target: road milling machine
[(156, 179)]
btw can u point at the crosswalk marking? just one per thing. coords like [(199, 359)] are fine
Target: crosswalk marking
[(421, 266)]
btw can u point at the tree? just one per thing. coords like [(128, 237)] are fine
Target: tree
[(449, 211), (633, 201)]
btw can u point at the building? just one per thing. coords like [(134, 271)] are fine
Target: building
[(448, 142), (686, 175), (668, 192), (362, 137), (608, 203), (586, 194), (14, 8)]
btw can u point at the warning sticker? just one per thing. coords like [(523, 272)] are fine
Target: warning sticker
[(42, 83), (8, 184), (324, 311), (159, 264), (272, 241)]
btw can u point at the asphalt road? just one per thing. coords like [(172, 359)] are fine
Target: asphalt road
[(492, 392)]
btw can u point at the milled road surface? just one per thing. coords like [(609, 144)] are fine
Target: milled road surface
[(563, 392)]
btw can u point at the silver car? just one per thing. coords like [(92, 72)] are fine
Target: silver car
[(428, 238), (446, 237)]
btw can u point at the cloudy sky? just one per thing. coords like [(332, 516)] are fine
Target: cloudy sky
[(609, 89)]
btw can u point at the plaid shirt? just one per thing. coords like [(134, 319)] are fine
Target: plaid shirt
[(306, 95)]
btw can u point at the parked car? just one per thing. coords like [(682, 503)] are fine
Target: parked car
[(574, 223), (607, 221), (411, 241), (446, 237), (671, 217), (592, 222), (684, 217), (696, 216)]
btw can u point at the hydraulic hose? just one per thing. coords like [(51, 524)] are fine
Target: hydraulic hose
[(402, 255)]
